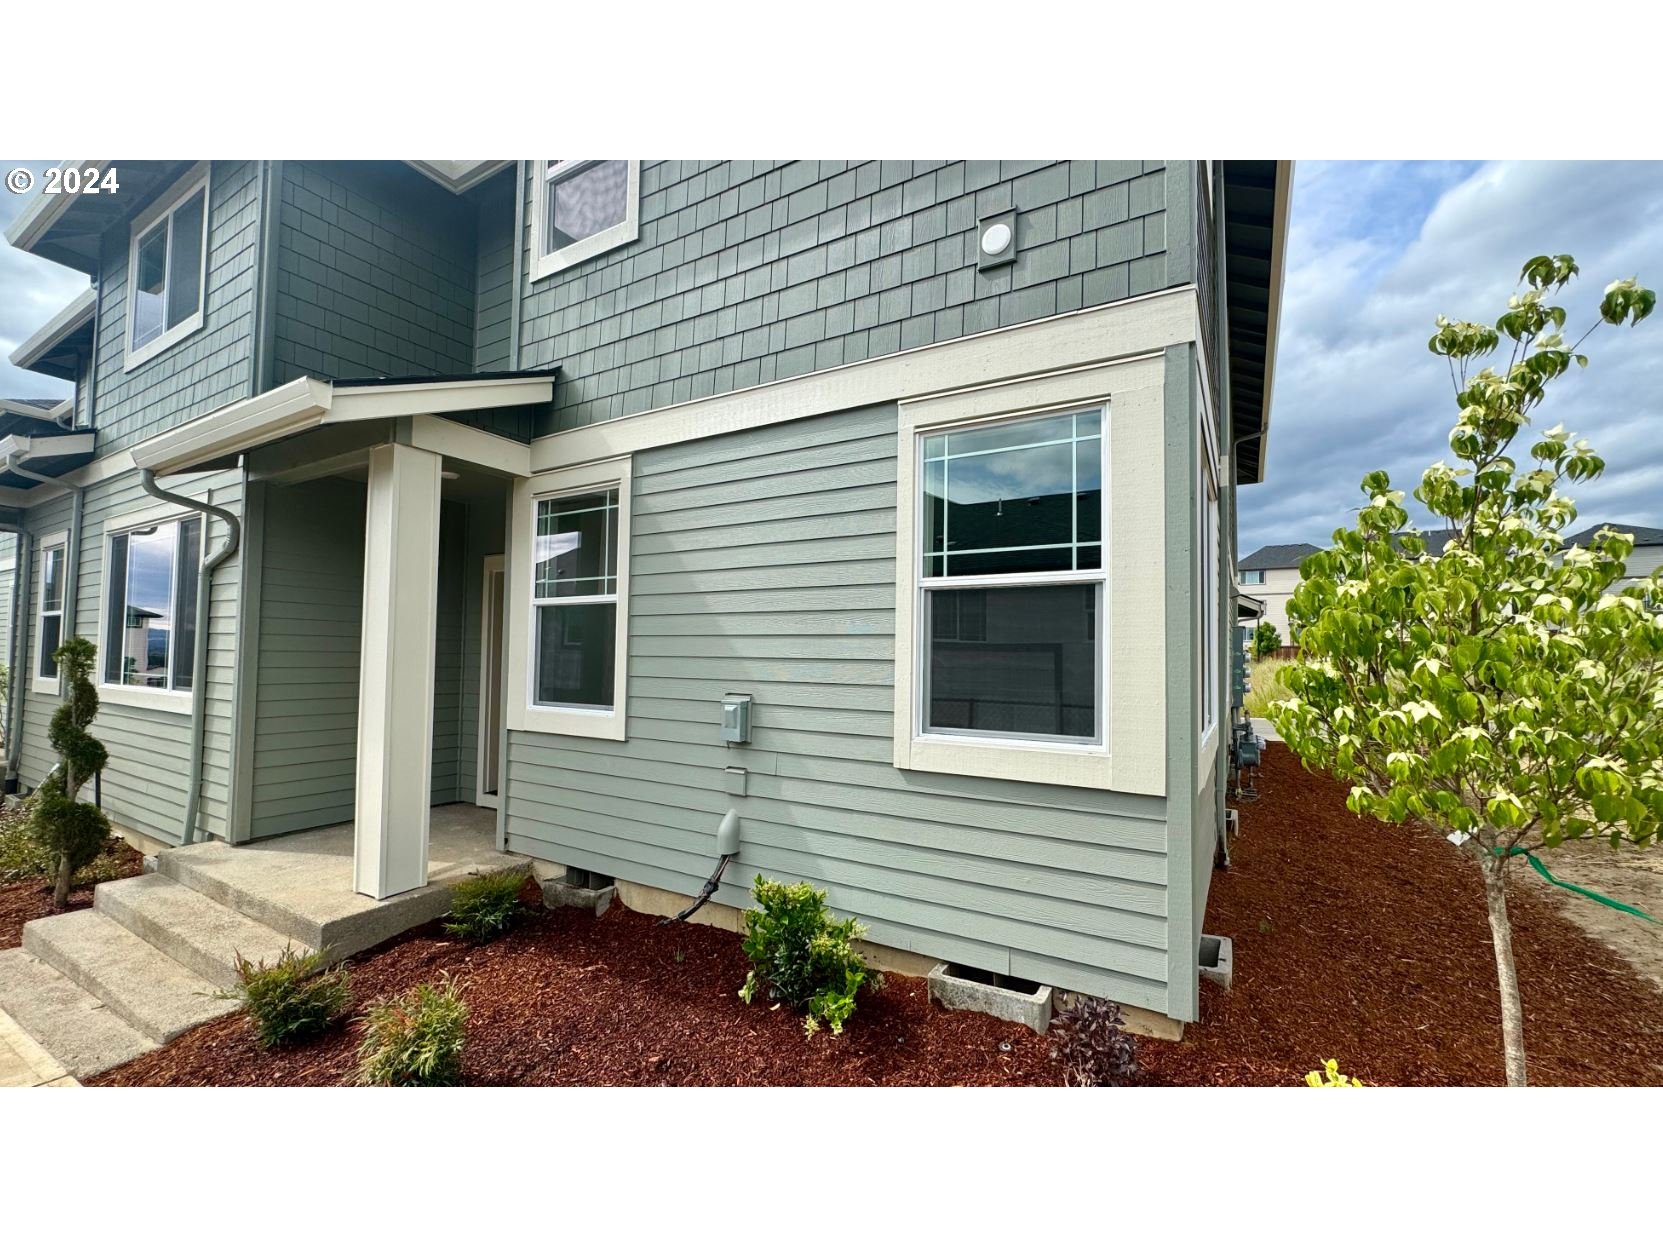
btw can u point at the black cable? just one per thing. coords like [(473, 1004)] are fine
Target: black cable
[(705, 893)]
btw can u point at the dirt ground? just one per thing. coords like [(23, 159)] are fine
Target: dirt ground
[(1628, 874)]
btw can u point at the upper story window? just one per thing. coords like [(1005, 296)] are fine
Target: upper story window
[(150, 606), (167, 267), (1011, 542), (581, 208), (1253, 578)]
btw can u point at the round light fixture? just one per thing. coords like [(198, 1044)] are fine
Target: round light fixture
[(996, 238)]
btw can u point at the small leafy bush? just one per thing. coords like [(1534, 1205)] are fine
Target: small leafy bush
[(482, 907), (21, 855), (801, 955), (415, 1040), (1094, 1051), (1330, 1076), (299, 996), (1266, 640)]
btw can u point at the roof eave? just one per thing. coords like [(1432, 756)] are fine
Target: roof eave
[(1278, 270), (76, 316)]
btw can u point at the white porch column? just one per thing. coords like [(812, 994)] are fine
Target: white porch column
[(395, 688)]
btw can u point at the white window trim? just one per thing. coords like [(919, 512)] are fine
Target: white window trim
[(1132, 670), (197, 179), (522, 713), (546, 264), (1207, 608), (174, 701), (39, 683)]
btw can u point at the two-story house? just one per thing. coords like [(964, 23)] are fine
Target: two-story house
[(396, 485)]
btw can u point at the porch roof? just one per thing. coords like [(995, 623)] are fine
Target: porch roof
[(46, 451), (57, 347), (307, 403)]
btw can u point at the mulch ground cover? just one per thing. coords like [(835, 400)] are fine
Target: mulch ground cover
[(1353, 940), (1368, 943), (28, 899)]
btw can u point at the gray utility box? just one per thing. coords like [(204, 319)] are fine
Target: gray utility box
[(736, 718)]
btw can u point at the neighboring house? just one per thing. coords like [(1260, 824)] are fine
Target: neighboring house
[(456, 481), (1647, 556), (1270, 575)]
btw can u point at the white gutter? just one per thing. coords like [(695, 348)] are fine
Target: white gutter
[(43, 211), (66, 322)]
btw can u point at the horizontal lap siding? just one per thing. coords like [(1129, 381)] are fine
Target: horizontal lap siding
[(311, 626), (145, 783), (764, 562)]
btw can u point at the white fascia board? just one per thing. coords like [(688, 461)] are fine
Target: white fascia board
[(44, 210), (433, 398), (293, 408), (25, 447), (470, 445), (1115, 332), (1273, 315), (457, 176), (27, 411), (66, 322)]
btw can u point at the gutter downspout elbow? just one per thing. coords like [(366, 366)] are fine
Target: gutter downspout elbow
[(199, 660)]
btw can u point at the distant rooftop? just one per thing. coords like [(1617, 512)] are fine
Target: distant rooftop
[(1266, 558), (1643, 536)]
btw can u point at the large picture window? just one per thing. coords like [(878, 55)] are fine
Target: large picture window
[(575, 600), (1012, 580), (150, 606), (581, 208), (167, 268)]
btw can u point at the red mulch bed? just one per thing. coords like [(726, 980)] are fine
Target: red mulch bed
[(28, 899), (1369, 944), (1353, 940)]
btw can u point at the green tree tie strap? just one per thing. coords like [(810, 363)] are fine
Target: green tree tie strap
[(1542, 870)]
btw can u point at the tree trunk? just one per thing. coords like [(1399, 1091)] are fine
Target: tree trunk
[(1507, 978), (60, 889)]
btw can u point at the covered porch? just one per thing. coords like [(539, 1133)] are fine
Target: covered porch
[(370, 641)]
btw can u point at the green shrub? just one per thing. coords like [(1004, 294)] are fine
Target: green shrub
[(294, 999), (415, 1040), (21, 855), (801, 956), (1266, 639), (482, 907), (72, 832)]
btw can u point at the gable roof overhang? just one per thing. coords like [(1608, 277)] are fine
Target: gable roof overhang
[(45, 454), (458, 176), (66, 229), (57, 348), (1256, 194), (217, 438)]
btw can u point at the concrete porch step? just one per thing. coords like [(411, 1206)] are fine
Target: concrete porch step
[(71, 1024), (199, 933), (139, 983)]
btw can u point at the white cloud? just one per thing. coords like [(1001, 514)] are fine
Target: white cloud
[(1375, 253)]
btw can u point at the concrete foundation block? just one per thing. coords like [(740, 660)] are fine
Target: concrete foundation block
[(1217, 960), (558, 894), (951, 987)]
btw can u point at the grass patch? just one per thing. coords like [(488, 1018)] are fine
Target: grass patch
[(1265, 686)]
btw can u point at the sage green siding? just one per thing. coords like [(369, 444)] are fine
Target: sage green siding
[(144, 784), (213, 366), (8, 562), (311, 627), (764, 562)]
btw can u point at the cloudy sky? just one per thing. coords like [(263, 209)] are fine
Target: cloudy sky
[(32, 291), (1375, 252)]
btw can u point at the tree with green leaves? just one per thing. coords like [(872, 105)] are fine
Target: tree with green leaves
[(1266, 639), (1507, 693), (71, 831)]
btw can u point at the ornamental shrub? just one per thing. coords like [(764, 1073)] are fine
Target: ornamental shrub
[(1094, 1051), (482, 907), (296, 998), (70, 832), (415, 1040), (801, 955)]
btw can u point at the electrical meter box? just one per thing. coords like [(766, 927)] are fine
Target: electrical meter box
[(736, 718)]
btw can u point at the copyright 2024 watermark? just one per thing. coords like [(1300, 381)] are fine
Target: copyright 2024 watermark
[(65, 180)]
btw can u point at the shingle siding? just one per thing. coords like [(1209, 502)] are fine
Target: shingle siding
[(747, 272)]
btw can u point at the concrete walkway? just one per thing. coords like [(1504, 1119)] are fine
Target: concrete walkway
[(24, 1063), (1264, 729)]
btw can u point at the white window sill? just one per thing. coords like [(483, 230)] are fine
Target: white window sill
[(1033, 762), (172, 701), (51, 686), (596, 724), (584, 249), (163, 342)]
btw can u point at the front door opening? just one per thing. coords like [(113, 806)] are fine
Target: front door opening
[(490, 680)]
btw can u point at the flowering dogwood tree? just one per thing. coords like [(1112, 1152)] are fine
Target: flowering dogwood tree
[(1507, 693)]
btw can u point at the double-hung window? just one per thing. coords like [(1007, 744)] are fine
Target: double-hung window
[(1011, 580), (1255, 577), (150, 595), (49, 621), (575, 599), (581, 208), (167, 268)]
